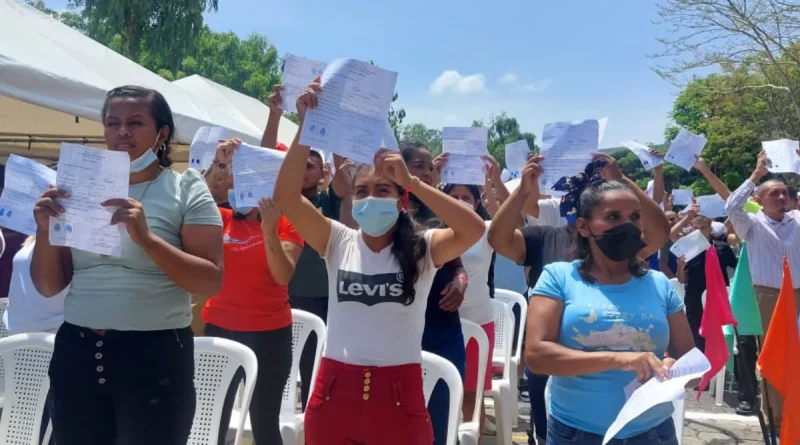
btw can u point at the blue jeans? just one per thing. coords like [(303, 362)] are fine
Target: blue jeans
[(536, 385), (560, 434), (446, 342)]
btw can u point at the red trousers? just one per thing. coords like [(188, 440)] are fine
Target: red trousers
[(367, 405)]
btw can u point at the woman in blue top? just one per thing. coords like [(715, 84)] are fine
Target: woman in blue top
[(597, 323)]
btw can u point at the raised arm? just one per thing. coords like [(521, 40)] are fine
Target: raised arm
[(718, 186), (282, 251), (51, 266), (496, 191), (677, 229), (658, 181), (270, 137), (734, 206)]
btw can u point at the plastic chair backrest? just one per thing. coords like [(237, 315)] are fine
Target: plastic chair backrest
[(512, 298), (26, 359), (474, 331), (303, 323), (435, 368), (216, 361), (3, 334), (679, 288), (503, 333)]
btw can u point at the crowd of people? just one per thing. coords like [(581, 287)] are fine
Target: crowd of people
[(392, 260)]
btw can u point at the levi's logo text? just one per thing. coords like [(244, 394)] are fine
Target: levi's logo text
[(370, 289)]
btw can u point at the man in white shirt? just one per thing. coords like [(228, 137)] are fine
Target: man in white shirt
[(771, 234)]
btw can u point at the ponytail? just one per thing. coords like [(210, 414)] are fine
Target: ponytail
[(408, 247)]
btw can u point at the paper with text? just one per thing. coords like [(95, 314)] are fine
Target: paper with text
[(690, 246), (712, 206), (464, 169), (567, 147), (91, 176), (25, 181), (465, 140), (389, 140), (685, 148), (255, 170), (298, 72), (682, 197), (517, 155), (782, 155), (642, 397), (649, 161), (204, 146), (350, 119)]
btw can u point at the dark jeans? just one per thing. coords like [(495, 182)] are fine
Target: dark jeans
[(748, 351), (122, 387), (536, 385), (561, 434), (319, 307), (273, 350), (694, 313), (446, 342)]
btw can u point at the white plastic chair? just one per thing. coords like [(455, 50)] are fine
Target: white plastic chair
[(680, 289), (216, 361), (501, 393), (512, 298), (303, 323), (469, 432), (26, 359), (717, 384), (3, 334), (435, 368)]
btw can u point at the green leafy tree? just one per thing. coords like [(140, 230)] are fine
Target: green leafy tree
[(503, 130), (430, 137)]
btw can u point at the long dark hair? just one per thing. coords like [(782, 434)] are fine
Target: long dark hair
[(475, 191), (159, 111), (408, 245), (588, 201)]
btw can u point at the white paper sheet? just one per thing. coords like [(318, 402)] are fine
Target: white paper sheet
[(640, 397), (682, 197), (353, 107), (517, 155), (25, 181), (204, 146), (389, 140), (91, 176), (712, 206), (298, 72), (783, 154), (465, 140), (690, 246), (255, 170), (685, 148), (464, 169), (643, 153), (567, 147)]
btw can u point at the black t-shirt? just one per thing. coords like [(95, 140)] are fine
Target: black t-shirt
[(545, 245), (696, 271)]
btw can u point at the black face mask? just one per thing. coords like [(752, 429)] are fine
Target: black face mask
[(621, 243)]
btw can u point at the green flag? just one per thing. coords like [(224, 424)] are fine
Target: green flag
[(743, 299)]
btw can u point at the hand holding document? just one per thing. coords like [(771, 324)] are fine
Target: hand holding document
[(711, 206), (649, 161), (690, 246), (464, 169), (204, 146), (642, 397), (255, 170), (25, 181), (298, 72), (350, 118), (685, 148), (517, 155), (567, 147), (783, 156), (466, 147), (682, 197), (389, 140), (91, 176)]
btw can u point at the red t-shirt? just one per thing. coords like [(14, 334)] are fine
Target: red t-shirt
[(250, 299)]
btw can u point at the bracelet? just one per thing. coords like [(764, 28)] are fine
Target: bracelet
[(411, 185), (220, 165)]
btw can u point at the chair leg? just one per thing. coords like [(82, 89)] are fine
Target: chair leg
[(514, 393), (503, 414), (720, 387)]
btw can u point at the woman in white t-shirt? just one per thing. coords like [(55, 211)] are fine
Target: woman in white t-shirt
[(369, 384)]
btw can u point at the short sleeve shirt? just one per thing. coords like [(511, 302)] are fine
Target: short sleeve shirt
[(545, 245)]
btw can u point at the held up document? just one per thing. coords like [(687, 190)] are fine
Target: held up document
[(690, 246), (464, 169), (25, 181), (204, 146), (517, 155), (712, 206), (567, 147), (783, 156), (298, 72), (91, 176), (682, 197), (465, 140), (255, 170), (641, 397), (389, 140), (643, 153), (685, 148), (350, 119)]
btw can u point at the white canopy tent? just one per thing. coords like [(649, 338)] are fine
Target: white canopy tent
[(47, 63), (237, 105)]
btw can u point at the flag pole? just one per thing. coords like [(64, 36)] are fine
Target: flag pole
[(750, 390)]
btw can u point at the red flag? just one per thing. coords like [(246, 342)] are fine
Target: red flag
[(779, 359), (716, 314)]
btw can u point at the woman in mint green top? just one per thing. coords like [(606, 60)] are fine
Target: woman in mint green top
[(123, 366), (600, 322)]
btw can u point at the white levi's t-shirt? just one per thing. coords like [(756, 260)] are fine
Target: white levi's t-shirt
[(368, 321), (477, 306)]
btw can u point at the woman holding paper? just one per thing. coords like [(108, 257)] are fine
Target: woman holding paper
[(369, 386), (123, 366), (600, 322)]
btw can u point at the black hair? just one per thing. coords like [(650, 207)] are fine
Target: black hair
[(408, 245), (317, 155), (792, 192), (589, 199), (476, 194), (159, 111), (425, 215)]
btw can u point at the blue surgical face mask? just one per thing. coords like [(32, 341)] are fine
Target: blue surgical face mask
[(234, 206), (145, 160), (375, 215)]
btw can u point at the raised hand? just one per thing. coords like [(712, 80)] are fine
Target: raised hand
[(529, 178), (47, 206), (390, 165), (611, 171), (270, 214), (274, 101), (309, 98)]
